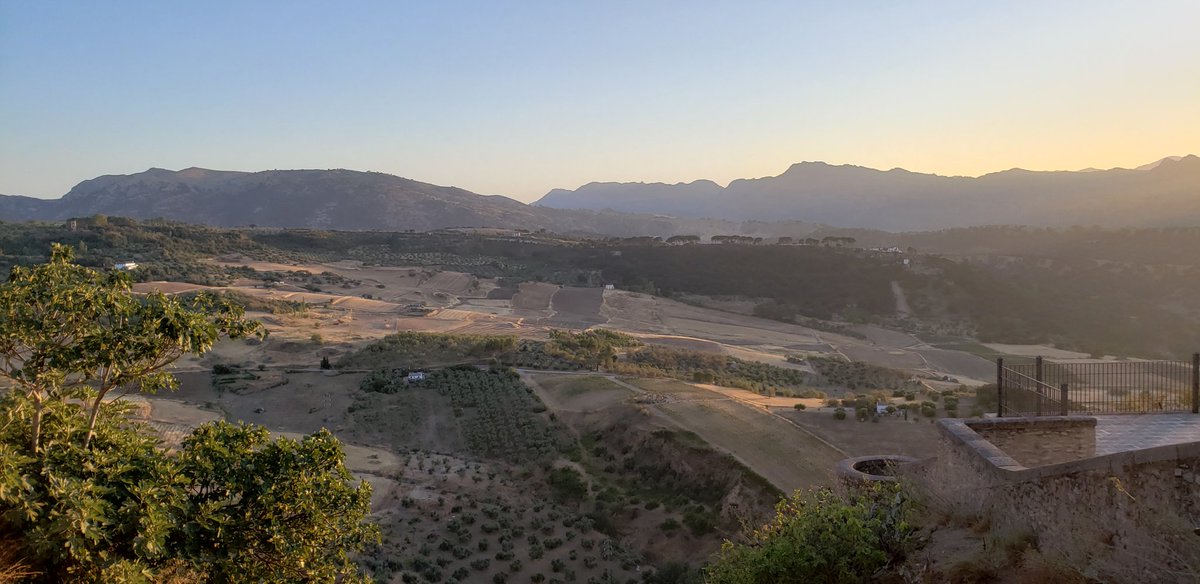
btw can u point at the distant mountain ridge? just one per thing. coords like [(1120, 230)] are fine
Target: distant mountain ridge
[(1163, 193), (342, 200)]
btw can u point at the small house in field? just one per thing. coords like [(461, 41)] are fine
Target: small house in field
[(416, 376)]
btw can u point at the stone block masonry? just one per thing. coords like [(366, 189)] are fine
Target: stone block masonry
[(1128, 515)]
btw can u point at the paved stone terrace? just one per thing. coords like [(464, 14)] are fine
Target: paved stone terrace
[(1135, 432)]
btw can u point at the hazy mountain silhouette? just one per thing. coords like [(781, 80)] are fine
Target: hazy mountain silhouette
[(342, 199), (1164, 193)]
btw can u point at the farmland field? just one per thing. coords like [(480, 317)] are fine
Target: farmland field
[(533, 296), (578, 304), (580, 393), (783, 454), (917, 437), (671, 388)]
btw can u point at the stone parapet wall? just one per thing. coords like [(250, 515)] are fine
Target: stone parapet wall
[(1130, 513), (1040, 441)]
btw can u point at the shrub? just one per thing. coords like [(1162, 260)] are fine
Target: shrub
[(986, 396), (566, 485), (820, 537), (839, 414), (699, 522), (801, 406)]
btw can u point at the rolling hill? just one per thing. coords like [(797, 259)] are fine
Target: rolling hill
[(343, 200), (1165, 193)]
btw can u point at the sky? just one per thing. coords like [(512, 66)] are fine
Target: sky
[(517, 98)]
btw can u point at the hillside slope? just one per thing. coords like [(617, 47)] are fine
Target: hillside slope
[(1166, 193), (342, 200)]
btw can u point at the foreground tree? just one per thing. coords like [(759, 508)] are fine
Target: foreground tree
[(88, 495), (70, 332), (819, 536)]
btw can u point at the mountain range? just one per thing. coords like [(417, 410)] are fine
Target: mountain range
[(808, 198), (1160, 194), (343, 200)]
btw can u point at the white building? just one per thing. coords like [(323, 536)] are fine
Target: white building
[(125, 266)]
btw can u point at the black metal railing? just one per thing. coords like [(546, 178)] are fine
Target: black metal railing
[(1101, 387)]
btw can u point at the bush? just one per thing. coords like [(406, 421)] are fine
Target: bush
[(566, 485), (819, 537), (699, 522), (986, 397), (801, 406), (839, 414)]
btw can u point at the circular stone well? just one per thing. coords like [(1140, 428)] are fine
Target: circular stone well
[(879, 468)]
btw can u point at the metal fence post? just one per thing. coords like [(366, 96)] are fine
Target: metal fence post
[(999, 387), (1064, 409), (1041, 387), (1196, 383)]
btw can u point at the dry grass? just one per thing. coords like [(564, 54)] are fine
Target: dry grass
[(13, 567)]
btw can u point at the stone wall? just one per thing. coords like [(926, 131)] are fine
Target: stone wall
[(1040, 441), (1128, 515)]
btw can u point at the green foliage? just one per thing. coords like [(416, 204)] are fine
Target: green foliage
[(856, 374), (699, 521), (592, 348), (674, 573), (655, 361), (270, 510), (501, 416), (987, 397), (414, 349), (91, 495), (839, 413), (70, 332), (819, 537), (567, 485)]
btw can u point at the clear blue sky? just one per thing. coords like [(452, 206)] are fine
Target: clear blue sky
[(516, 98)]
